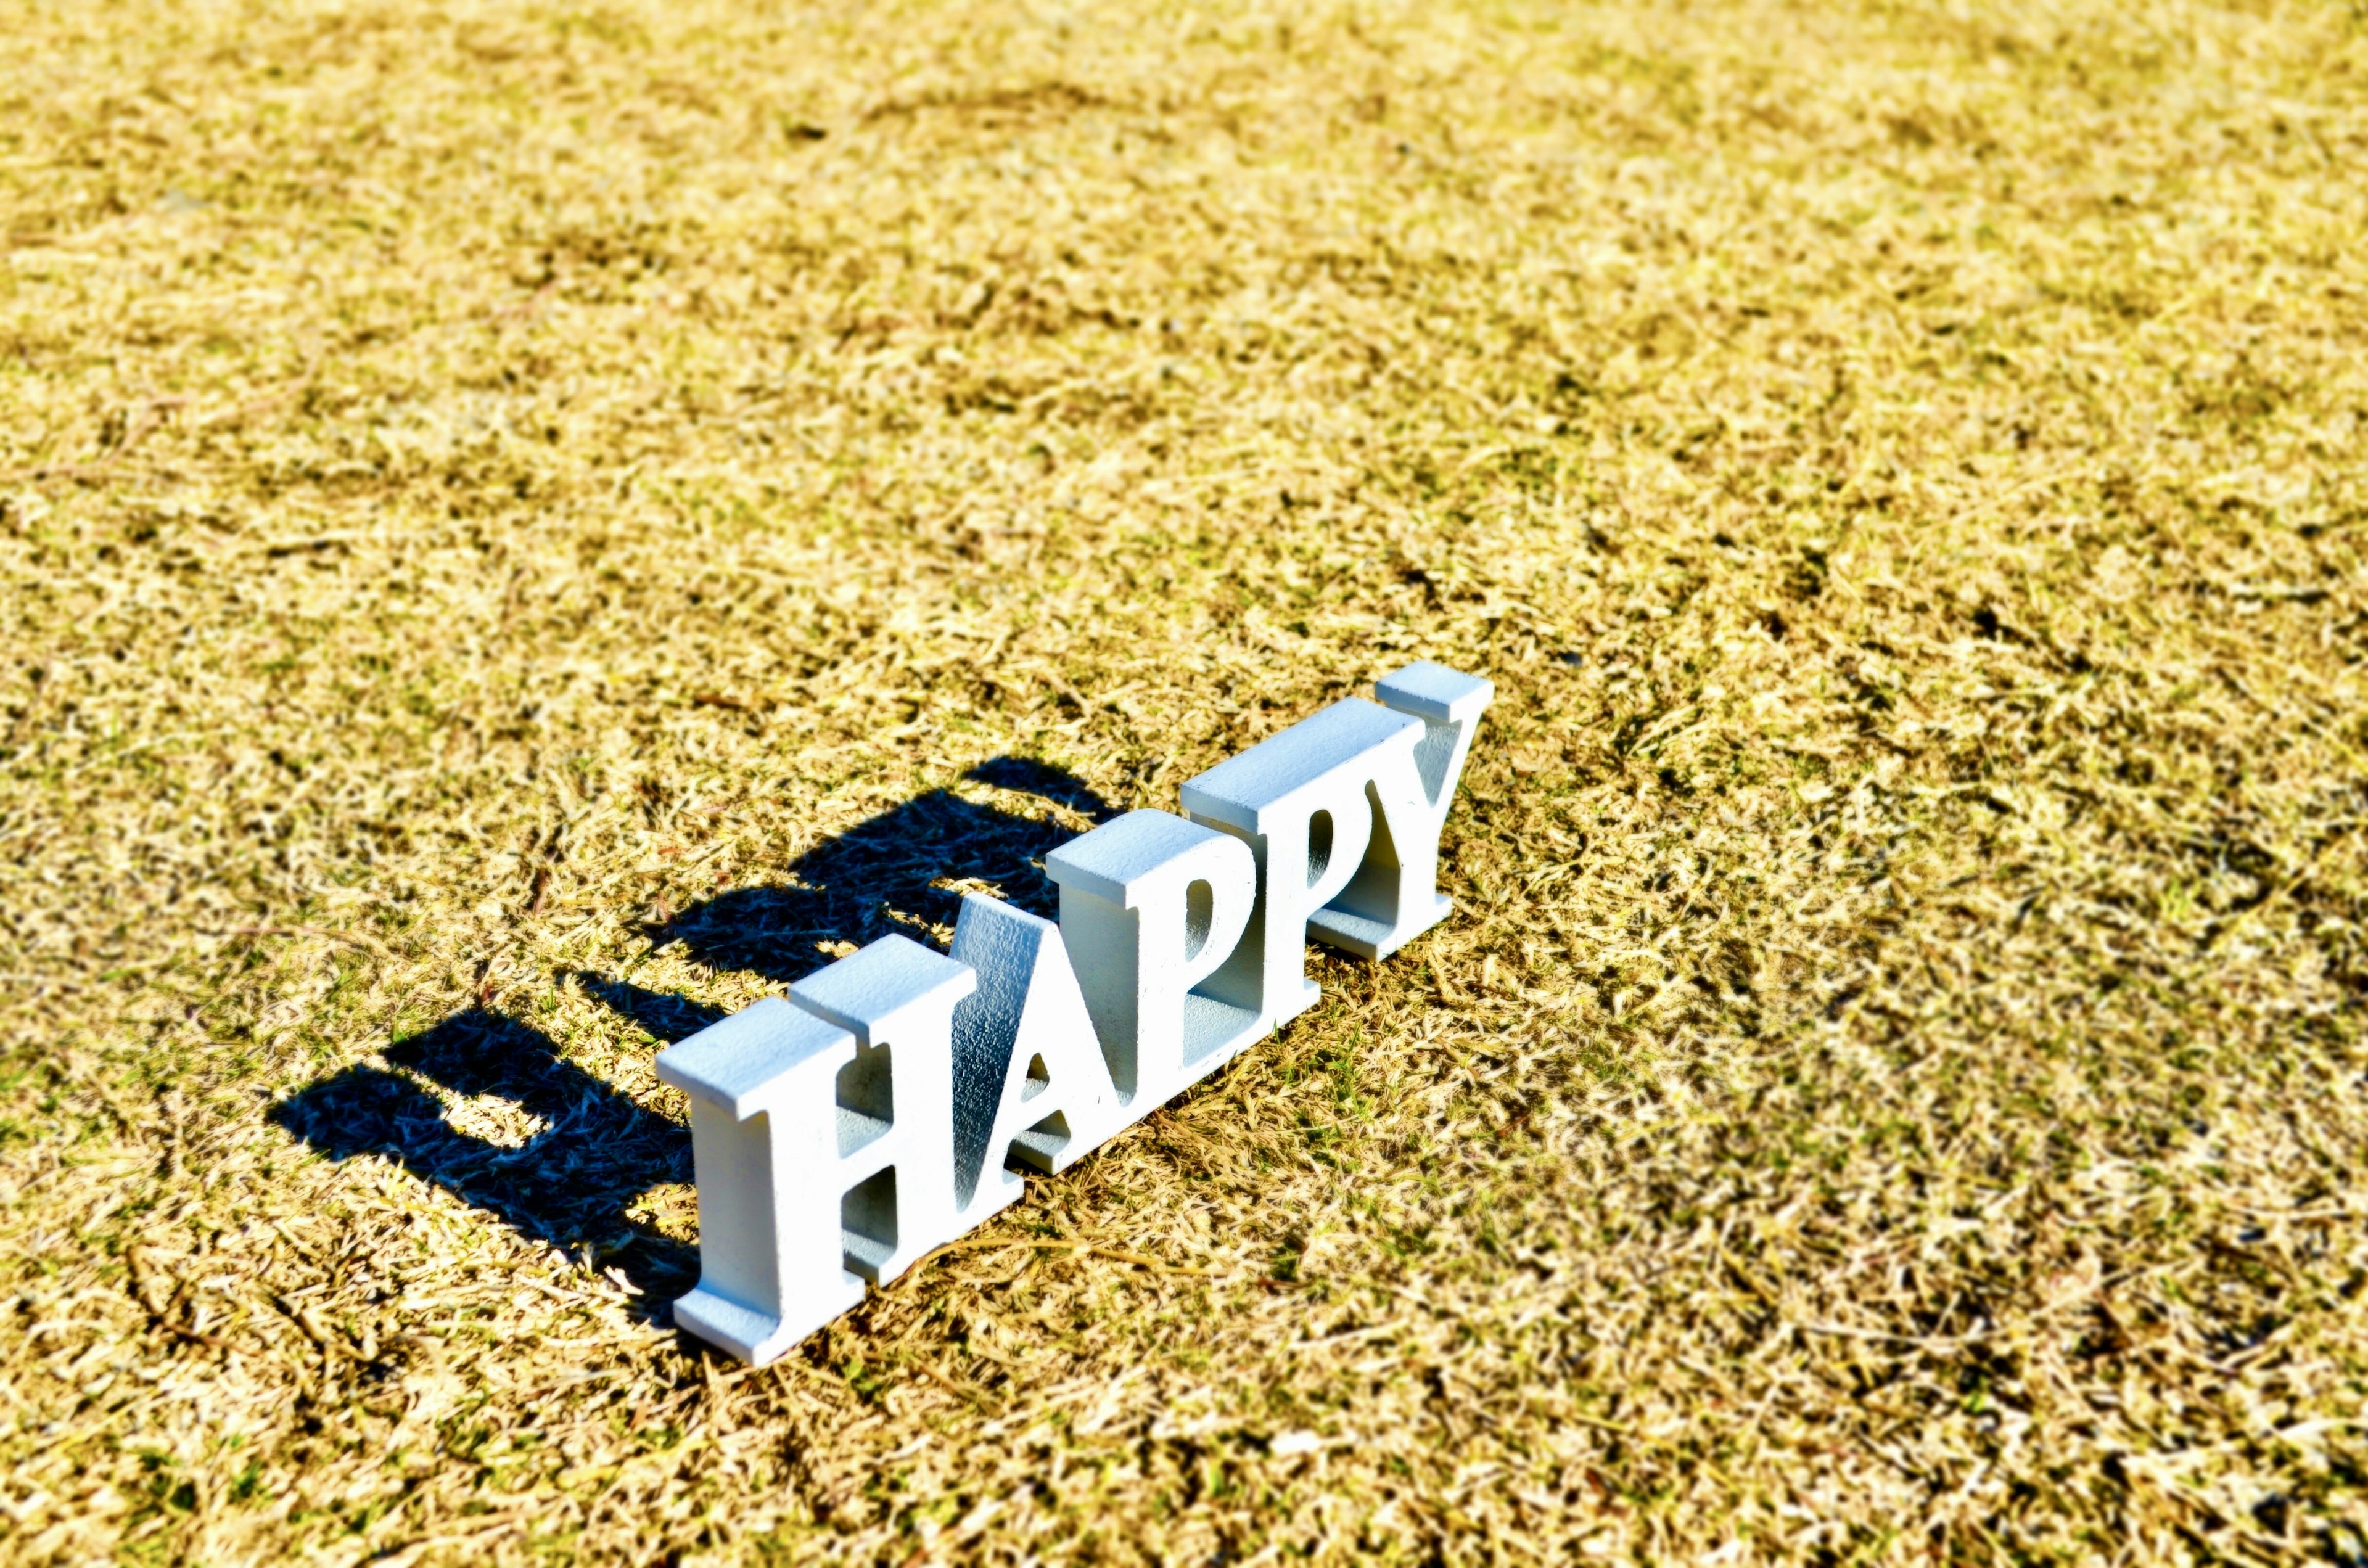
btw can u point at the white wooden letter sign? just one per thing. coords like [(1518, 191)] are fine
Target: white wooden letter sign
[(879, 1111)]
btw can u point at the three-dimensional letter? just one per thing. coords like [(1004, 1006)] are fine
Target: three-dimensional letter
[(894, 1180), (1029, 1081), (1394, 895), (1150, 906), (1300, 800), (764, 1133)]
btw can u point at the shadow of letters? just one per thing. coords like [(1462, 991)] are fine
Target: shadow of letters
[(886, 1105), (572, 1182)]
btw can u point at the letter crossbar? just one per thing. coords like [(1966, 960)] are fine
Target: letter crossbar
[(881, 1110)]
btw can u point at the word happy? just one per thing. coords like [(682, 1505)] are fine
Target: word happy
[(878, 1111)]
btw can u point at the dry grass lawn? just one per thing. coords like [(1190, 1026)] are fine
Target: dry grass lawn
[(528, 526)]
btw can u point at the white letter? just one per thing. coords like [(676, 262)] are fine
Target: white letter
[(1029, 1076), (895, 1162), (764, 1136), (1150, 904), (1300, 800), (1394, 896)]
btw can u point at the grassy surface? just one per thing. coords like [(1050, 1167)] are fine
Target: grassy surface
[(523, 527)]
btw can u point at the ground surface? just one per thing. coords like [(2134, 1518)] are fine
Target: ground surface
[(523, 527)]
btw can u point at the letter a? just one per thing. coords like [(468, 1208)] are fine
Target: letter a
[(1029, 1081)]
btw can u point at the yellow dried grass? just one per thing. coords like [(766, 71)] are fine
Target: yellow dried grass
[(501, 501)]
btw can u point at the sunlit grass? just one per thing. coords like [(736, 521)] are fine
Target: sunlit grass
[(526, 527)]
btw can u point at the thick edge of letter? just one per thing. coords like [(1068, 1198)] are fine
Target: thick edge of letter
[(898, 994), (759, 1084)]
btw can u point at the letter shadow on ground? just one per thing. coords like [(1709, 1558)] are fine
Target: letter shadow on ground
[(571, 1183), (881, 875)]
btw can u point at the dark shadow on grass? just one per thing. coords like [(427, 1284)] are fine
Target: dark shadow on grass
[(1025, 775), (855, 887), (598, 1150), (569, 1184), (661, 1015)]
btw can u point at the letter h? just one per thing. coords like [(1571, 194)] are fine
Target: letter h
[(824, 1137)]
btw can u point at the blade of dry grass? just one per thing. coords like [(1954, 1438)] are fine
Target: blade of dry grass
[(528, 526)]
